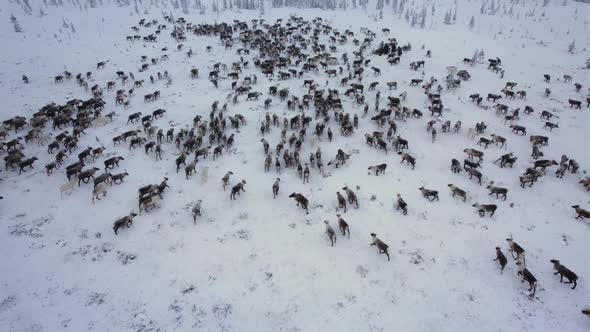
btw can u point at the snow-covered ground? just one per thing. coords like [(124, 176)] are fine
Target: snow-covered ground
[(258, 264)]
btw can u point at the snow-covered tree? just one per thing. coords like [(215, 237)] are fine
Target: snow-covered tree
[(379, 7), (184, 5), (587, 65), (572, 48), (448, 18), (472, 22), (546, 3), (474, 57), (15, 24), (423, 17), (26, 6)]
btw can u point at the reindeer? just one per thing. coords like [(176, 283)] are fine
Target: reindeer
[(499, 140), (181, 160), (341, 201), (190, 168), (455, 166), (458, 191), (118, 178), (483, 208), (275, 188), (586, 183), (378, 169), (125, 221), (407, 158), (518, 129), (564, 272), (472, 153), (237, 189), (306, 174), (536, 152), (474, 172), (343, 225), (103, 178), (402, 205), (544, 164), (112, 162), (196, 212), (528, 276), (301, 201), (582, 213), (98, 191), (351, 196), (383, 248), (331, 233), (26, 163), (86, 175), (50, 167), (529, 177), (497, 191), (428, 194), (516, 249), (501, 259)]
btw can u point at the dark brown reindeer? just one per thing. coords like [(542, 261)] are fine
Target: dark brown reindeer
[(275, 188), (341, 201), (458, 191), (377, 169), (352, 199), (497, 191), (516, 249), (564, 272), (301, 201), (383, 248), (402, 205), (124, 222), (343, 225), (430, 195), (501, 259), (237, 189), (582, 213), (483, 208), (528, 277)]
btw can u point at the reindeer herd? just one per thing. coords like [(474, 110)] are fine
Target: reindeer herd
[(284, 51)]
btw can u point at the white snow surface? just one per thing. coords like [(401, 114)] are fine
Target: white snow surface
[(258, 264)]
